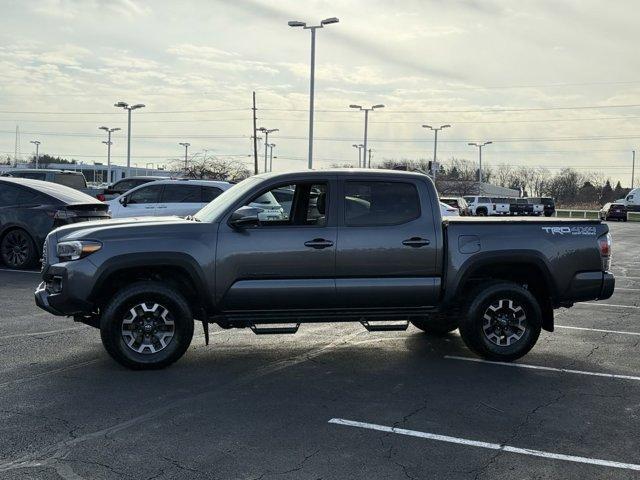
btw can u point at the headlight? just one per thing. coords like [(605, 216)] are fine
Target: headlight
[(77, 249)]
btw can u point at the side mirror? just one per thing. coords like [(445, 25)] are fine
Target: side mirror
[(244, 217), (123, 201)]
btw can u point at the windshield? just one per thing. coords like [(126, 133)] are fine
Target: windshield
[(210, 212)]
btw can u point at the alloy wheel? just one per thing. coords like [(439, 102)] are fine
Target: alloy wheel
[(504, 322), (148, 328), (15, 249)]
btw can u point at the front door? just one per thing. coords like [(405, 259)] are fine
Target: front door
[(387, 245), (287, 259)]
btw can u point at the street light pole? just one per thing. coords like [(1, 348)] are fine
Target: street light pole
[(37, 144), (271, 145), (186, 150), (366, 125), (129, 109), (313, 28), (108, 143), (359, 147), (266, 132), (435, 146), (633, 167), (480, 145)]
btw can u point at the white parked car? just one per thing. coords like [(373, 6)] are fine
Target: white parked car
[(501, 206), (181, 198), (448, 211), (632, 200), (482, 206)]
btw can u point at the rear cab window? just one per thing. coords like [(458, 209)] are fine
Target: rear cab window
[(380, 203), (72, 180)]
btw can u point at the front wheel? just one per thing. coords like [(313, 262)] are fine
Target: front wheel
[(146, 325), (18, 250), (502, 321)]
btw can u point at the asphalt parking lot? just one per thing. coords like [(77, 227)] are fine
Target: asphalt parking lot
[(332, 402)]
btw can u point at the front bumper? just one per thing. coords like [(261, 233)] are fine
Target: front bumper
[(57, 294)]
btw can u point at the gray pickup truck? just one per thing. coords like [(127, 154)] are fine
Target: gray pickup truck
[(350, 245)]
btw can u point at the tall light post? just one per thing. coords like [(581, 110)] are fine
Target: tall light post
[(366, 125), (435, 146), (186, 151), (266, 132), (37, 144), (633, 166), (480, 145), (271, 145), (313, 28), (359, 147), (108, 143), (129, 109)]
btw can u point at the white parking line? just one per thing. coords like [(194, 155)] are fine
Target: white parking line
[(628, 289), (36, 334), (488, 445), (598, 330), (634, 307), (18, 271), (540, 367)]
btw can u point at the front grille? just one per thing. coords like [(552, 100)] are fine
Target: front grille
[(45, 255)]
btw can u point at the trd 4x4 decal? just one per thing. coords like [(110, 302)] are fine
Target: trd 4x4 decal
[(570, 230)]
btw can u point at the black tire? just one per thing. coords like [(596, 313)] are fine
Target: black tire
[(437, 325), (149, 300), (505, 336), (18, 249), (481, 212)]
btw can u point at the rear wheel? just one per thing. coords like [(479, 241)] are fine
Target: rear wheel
[(18, 250), (146, 325), (502, 321)]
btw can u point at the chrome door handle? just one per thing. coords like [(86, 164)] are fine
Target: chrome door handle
[(318, 243), (416, 242)]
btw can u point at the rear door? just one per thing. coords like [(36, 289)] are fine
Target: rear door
[(180, 199), (387, 245), (286, 261)]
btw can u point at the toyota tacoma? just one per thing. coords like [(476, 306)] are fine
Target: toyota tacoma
[(350, 245)]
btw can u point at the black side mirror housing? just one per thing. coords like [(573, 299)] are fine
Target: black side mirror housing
[(244, 217), (123, 201)]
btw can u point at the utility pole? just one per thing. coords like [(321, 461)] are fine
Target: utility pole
[(633, 167), (266, 132), (15, 147), (480, 145), (108, 143), (369, 158), (435, 147), (255, 137), (296, 23), (129, 109), (366, 125), (186, 150), (37, 144)]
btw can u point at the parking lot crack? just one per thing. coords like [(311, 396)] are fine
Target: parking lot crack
[(297, 468)]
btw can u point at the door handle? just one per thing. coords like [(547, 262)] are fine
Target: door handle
[(162, 206), (416, 242), (149, 208), (318, 243)]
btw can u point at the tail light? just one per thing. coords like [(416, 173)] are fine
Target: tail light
[(604, 244), (101, 197)]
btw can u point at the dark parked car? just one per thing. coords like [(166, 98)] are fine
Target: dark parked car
[(30, 209), (371, 247), (459, 203), (126, 184), (520, 206), (614, 211)]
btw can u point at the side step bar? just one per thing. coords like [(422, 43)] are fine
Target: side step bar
[(385, 327), (272, 330)]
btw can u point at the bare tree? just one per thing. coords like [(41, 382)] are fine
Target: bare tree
[(214, 168)]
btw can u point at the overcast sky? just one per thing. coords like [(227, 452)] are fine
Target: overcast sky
[(460, 62)]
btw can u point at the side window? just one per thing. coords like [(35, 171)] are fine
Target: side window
[(380, 203), (29, 197), (209, 193), (70, 180), (124, 186), (181, 194), (301, 204), (33, 175), (484, 200), (150, 194), (8, 195)]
